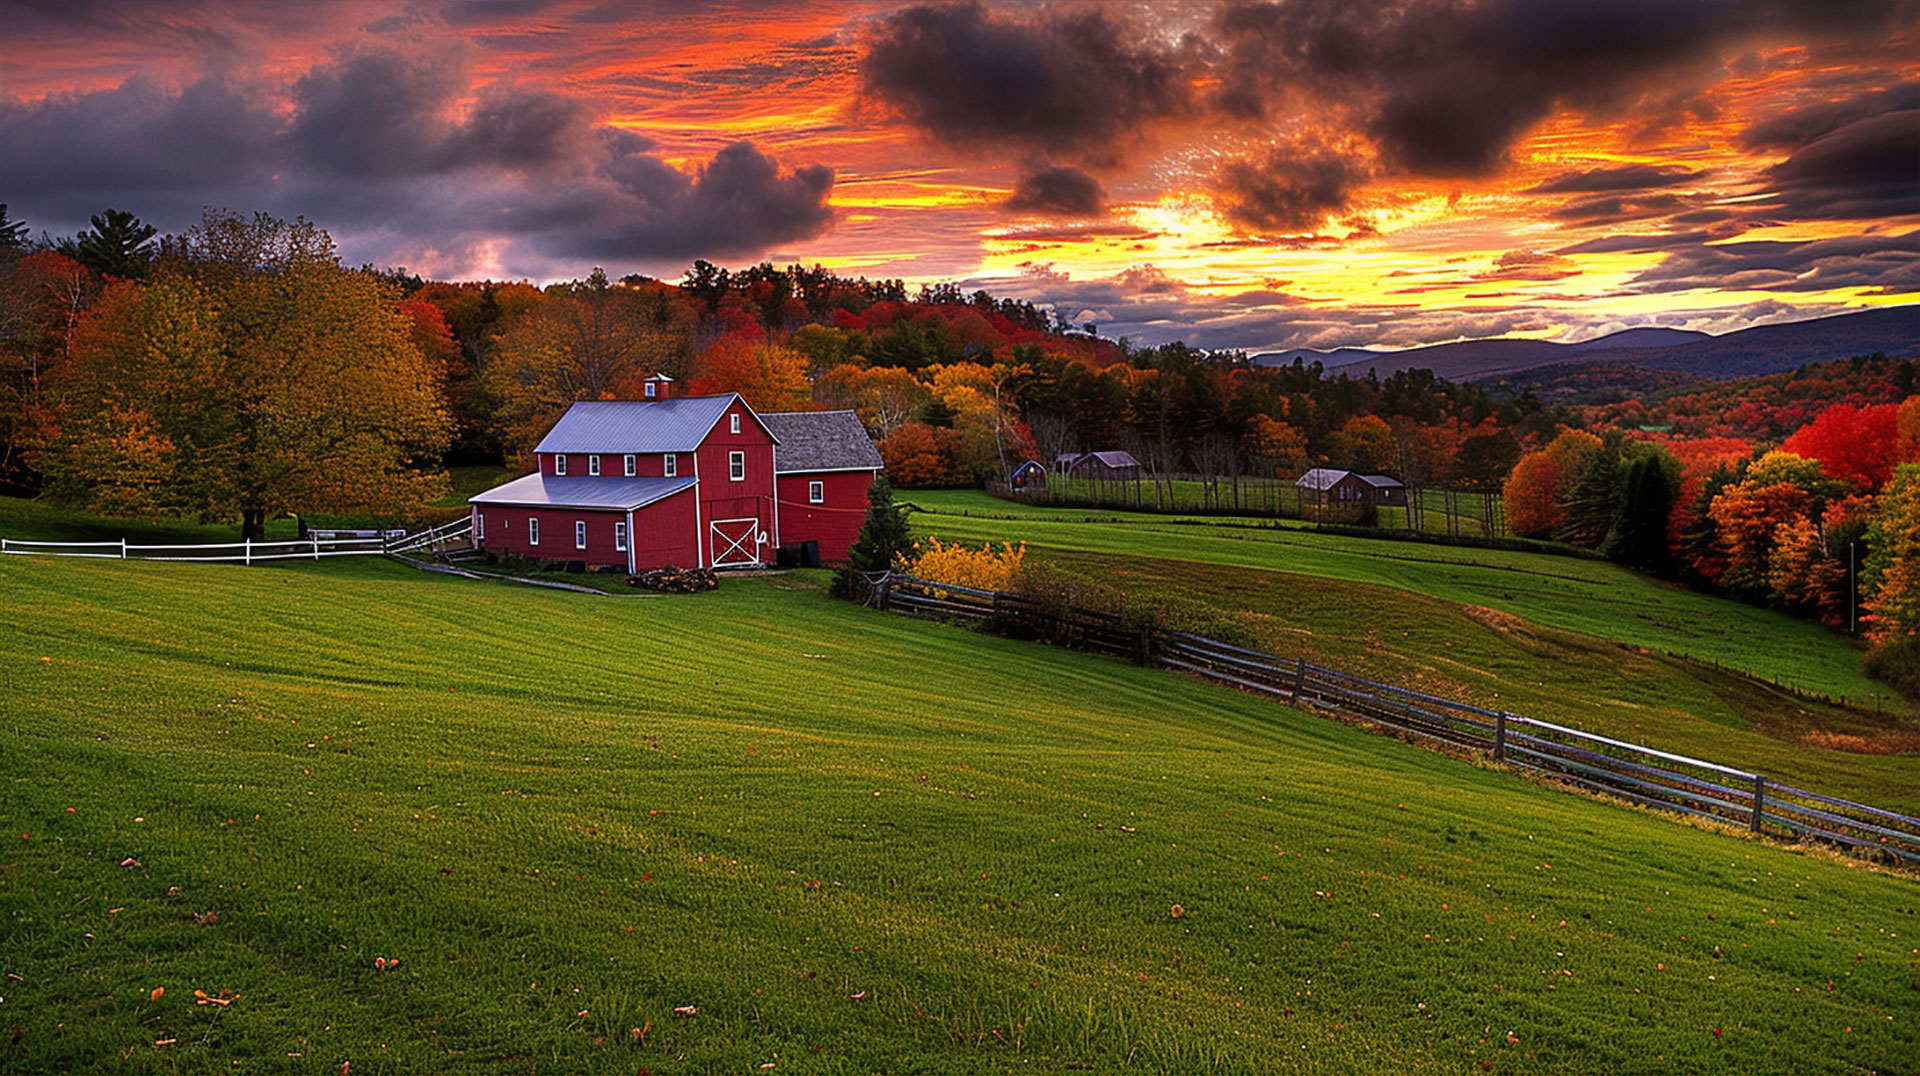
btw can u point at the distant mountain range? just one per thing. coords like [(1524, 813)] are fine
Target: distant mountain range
[(1764, 349)]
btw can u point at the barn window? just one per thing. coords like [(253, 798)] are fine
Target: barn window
[(652, 390), (533, 530), (816, 492), (479, 526), (737, 466), (626, 462), (735, 424), (560, 463), (593, 465), (670, 465), (620, 536), (579, 534)]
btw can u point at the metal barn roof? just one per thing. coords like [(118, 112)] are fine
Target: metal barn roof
[(1320, 478), (582, 491), (637, 425), (1380, 481), (821, 441)]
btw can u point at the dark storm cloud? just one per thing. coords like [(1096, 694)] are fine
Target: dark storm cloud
[(737, 204), (136, 146), (1292, 189), (1058, 192), (1637, 244), (1867, 168), (1797, 127), (398, 151), (1445, 88), (1627, 177), (1887, 263), (1073, 81)]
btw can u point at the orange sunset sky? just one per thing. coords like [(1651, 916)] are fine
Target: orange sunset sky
[(1243, 175)]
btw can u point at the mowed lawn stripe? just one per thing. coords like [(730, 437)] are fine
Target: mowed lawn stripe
[(491, 822), (1588, 596)]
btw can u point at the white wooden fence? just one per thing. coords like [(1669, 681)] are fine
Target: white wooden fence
[(317, 545)]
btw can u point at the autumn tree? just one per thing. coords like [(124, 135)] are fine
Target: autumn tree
[(1891, 581), (768, 376), (920, 457), (1534, 489), (253, 375), (42, 298), (588, 340), (1854, 444)]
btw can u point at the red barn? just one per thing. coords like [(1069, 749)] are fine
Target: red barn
[(824, 463), (666, 482)]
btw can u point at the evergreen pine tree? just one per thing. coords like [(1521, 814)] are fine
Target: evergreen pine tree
[(882, 537), (1588, 505), (1637, 538)]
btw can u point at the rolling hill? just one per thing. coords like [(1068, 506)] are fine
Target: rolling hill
[(1745, 352)]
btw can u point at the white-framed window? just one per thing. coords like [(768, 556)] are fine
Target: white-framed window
[(816, 492), (734, 425), (579, 534), (560, 463), (627, 465), (479, 526), (652, 390), (533, 530), (593, 465), (620, 535), (737, 466), (670, 465)]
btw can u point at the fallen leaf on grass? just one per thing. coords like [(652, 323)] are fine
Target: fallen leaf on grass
[(1176, 911), (157, 991), (201, 997), (129, 862)]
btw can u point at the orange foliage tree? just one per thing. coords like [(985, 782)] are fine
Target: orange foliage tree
[(769, 377), (1533, 491), (918, 456)]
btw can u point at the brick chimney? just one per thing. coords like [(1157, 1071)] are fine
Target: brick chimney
[(658, 387)]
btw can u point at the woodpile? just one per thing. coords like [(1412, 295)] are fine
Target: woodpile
[(676, 580)]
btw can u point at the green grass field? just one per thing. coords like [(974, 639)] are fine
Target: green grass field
[(1591, 597), (1458, 513), (851, 842)]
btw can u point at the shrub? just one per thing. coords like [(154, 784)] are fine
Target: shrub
[(981, 569), (1895, 661)]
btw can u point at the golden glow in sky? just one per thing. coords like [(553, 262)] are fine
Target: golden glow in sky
[(1237, 174)]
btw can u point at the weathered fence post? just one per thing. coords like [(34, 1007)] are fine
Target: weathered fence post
[(249, 552), (316, 546), (1143, 647), (880, 590), (1500, 736), (1759, 799), (1299, 680)]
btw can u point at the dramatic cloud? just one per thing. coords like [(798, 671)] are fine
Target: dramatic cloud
[(1796, 127), (404, 151), (1627, 177), (1870, 167), (1058, 192), (1888, 263), (1074, 82), (1291, 189)]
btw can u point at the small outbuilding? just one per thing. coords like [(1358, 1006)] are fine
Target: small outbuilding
[(1325, 485), (1028, 476), (1111, 466)]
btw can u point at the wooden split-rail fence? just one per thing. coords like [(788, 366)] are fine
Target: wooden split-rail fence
[(1655, 779)]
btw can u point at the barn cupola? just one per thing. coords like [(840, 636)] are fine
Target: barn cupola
[(658, 387)]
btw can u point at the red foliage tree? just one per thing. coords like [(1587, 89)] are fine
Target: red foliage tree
[(1852, 443)]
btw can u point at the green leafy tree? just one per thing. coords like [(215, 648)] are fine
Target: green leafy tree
[(118, 245), (883, 537), (1588, 506), (1637, 535)]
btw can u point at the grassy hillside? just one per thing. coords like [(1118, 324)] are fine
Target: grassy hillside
[(850, 841), (1588, 596)]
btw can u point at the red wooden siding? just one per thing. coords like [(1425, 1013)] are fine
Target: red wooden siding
[(613, 464), (834, 523), (721, 497), (664, 533)]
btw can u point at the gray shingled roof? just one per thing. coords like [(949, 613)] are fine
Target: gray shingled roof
[(1379, 481), (582, 491), (636, 425), (821, 441)]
